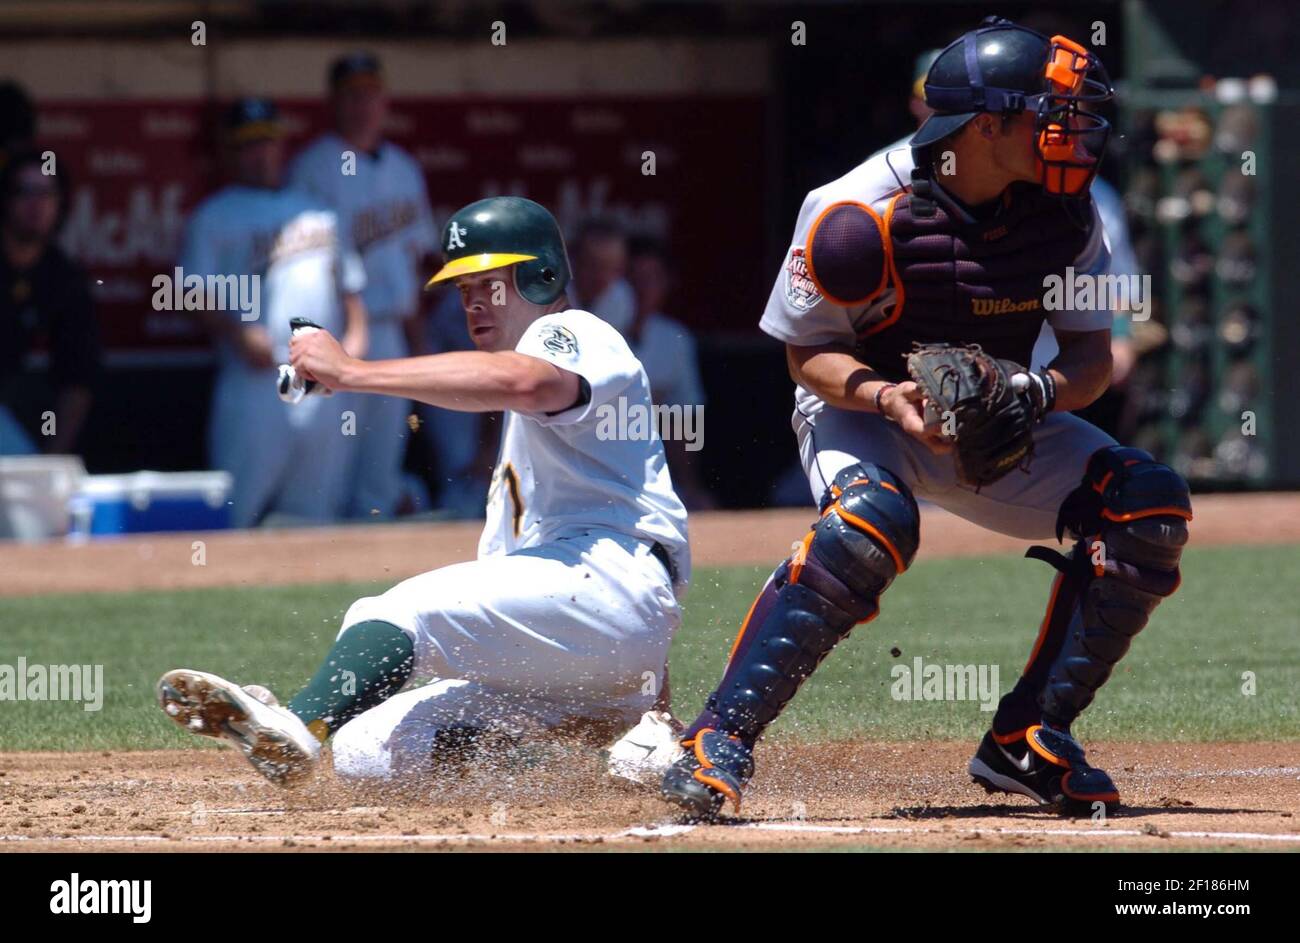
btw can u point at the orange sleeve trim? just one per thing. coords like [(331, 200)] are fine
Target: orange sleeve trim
[(869, 528), (884, 266), (893, 273)]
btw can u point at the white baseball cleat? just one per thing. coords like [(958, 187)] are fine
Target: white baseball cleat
[(274, 740), (644, 753)]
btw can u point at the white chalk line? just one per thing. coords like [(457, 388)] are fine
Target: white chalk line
[(1099, 832), (656, 832)]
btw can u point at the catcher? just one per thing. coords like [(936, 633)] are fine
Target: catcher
[(910, 299)]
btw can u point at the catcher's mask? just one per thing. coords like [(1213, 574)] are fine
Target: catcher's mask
[(1070, 139), (1007, 69)]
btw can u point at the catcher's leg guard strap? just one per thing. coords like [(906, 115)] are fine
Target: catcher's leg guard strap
[(1130, 514), (867, 535)]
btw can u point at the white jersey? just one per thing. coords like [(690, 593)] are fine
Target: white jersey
[(796, 312), (285, 238), (384, 209), (567, 474)]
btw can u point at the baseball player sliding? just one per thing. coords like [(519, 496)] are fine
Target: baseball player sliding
[(566, 616), (952, 242)]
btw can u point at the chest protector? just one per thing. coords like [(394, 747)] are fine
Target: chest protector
[(970, 283)]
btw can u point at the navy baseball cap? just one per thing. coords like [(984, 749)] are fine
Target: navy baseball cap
[(253, 119), (355, 67)]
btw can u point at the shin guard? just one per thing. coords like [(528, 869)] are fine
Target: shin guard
[(867, 534), (1130, 516)]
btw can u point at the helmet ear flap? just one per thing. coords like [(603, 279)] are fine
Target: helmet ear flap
[(538, 282)]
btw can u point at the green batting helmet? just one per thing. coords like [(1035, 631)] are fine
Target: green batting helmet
[(507, 230)]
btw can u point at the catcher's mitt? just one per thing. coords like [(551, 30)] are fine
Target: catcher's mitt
[(989, 405)]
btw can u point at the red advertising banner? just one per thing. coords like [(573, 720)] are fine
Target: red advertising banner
[(138, 168)]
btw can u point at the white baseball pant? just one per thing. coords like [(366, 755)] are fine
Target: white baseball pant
[(574, 630)]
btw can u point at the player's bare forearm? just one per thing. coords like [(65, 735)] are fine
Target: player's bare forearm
[(469, 381), (835, 375), (1082, 368)]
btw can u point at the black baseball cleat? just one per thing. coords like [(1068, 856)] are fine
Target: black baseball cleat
[(1046, 765), (715, 767)]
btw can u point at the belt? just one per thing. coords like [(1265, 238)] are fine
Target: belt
[(660, 553)]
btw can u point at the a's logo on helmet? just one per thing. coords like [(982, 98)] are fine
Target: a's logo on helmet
[(454, 232)]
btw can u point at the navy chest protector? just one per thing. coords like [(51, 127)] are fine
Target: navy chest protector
[(954, 282)]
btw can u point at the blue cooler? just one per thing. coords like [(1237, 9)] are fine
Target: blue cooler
[(151, 501)]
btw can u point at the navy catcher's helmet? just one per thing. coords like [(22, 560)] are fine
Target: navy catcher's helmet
[(1006, 69)]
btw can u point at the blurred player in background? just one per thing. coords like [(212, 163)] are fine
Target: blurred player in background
[(666, 348), (461, 447), (284, 459), (600, 273), (378, 191), (44, 295), (1106, 412)]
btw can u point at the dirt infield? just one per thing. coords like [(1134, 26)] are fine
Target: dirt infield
[(388, 553), (854, 794), (886, 795)]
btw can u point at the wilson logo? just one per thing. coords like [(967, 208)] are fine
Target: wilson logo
[(983, 307)]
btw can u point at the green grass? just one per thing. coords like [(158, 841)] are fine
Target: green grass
[(1235, 613)]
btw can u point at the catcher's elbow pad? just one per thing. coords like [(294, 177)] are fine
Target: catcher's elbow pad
[(847, 255)]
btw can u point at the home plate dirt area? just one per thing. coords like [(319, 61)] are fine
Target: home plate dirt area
[(838, 794), (858, 794)]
